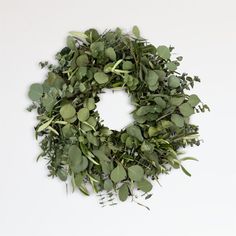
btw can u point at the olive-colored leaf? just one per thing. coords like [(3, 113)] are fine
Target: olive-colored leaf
[(101, 77), (35, 92), (118, 174), (75, 157), (163, 52), (186, 109), (110, 53), (45, 125), (147, 147), (62, 174), (171, 66), (136, 31), (178, 120), (185, 171), (123, 192), (135, 131), (151, 78), (173, 81), (78, 179), (82, 60), (70, 43), (144, 185), (67, 111), (90, 104), (127, 65), (135, 172), (83, 114), (176, 101), (193, 100), (108, 185), (101, 155)]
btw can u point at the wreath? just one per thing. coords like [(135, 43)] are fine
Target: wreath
[(79, 149)]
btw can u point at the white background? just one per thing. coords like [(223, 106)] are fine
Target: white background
[(204, 32)]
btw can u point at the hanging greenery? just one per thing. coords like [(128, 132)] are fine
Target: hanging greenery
[(78, 148)]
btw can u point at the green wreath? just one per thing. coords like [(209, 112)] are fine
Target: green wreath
[(78, 148)]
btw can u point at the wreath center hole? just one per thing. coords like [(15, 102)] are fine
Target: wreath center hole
[(115, 109)]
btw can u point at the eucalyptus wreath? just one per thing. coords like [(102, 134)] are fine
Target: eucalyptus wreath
[(79, 149)]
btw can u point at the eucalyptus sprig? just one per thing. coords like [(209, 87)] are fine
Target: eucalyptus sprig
[(79, 149)]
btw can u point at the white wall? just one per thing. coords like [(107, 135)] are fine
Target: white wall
[(204, 32)]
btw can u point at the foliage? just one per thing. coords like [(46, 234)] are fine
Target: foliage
[(79, 148)]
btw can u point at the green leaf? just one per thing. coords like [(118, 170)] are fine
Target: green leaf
[(45, 125), (90, 104), (147, 147), (108, 185), (67, 131), (83, 114), (82, 166), (143, 110), (110, 53), (163, 52), (160, 101), (101, 77), (136, 31), (135, 172), (123, 192), (48, 102), (78, 179), (101, 155), (118, 174), (62, 174), (185, 171), (193, 100), (135, 131), (67, 111), (178, 120), (35, 92), (70, 43), (171, 66), (186, 110), (144, 185), (96, 48), (152, 131), (82, 60), (188, 159), (92, 139), (127, 65), (75, 157), (176, 101), (173, 81), (79, 35), (151, 78)]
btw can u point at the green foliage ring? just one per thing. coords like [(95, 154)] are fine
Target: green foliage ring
[(79, 148)]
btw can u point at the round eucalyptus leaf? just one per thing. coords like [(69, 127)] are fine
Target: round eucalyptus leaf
[(82, 60), (67, 111), (83, 114), (186, 109), (171, 66), (173, 81), (101, 77), (35, 92), (110, 53), (193, 100), (163, 52), (108, 185)]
